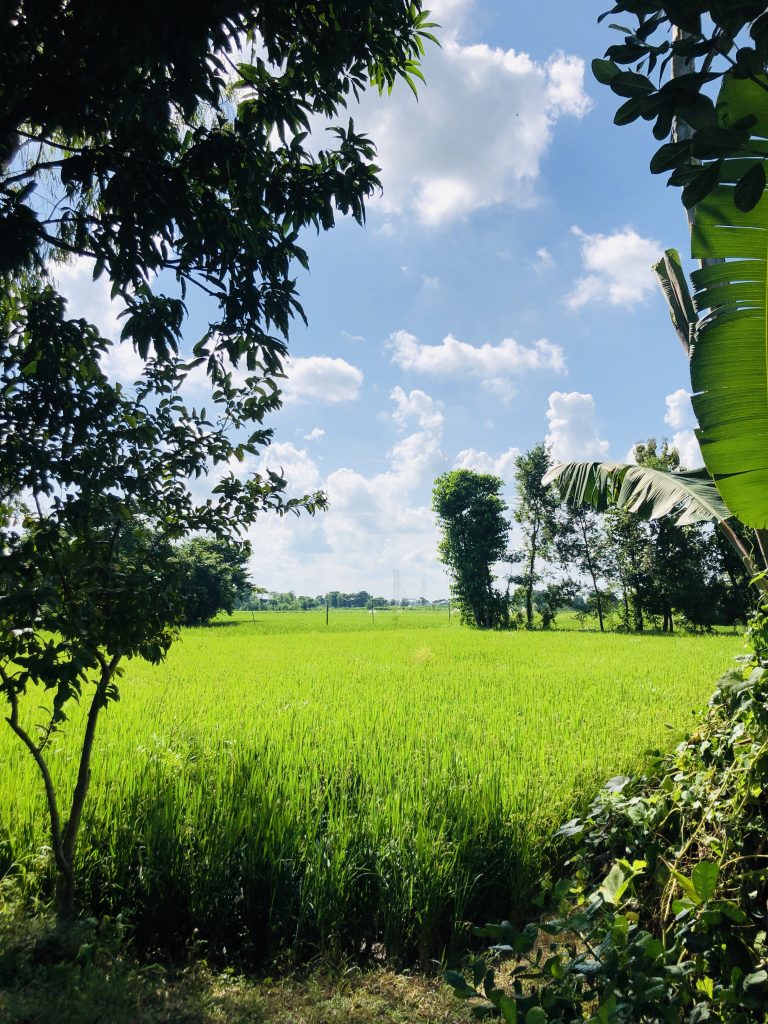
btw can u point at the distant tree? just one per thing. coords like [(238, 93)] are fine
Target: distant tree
[(536, 513), (471, 515), (552, 599), (214, 575), (580, 544)]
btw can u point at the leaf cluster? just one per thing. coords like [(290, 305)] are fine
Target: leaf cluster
[(661, 917), (726, 37)]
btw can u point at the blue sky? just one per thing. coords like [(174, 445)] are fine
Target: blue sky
[(499, 295)]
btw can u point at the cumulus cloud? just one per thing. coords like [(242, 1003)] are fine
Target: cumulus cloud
[(482, 462), (688, 448), (122, 363), (679, 412), (295, 464), (479, 132), (680, 417), (87, 298), (618, 269), (417, 405), (493, 365), (573, 431), (322, 379), (375, 522), (92, 301), (315, 434)]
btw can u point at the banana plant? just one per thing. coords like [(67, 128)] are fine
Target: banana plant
[(723, 329), (650, 493)]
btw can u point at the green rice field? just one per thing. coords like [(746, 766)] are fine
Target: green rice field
[(279, 785)]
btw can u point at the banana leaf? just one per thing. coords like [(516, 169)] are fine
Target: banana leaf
[(671, 277), (729, 357), (649, 493)]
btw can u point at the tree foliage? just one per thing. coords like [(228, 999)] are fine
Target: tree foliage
[(164, 148), (214, 575), (471, 515), (535, 512), (727, 38)]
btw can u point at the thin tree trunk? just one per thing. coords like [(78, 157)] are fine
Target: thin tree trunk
[(529, 591), (65, 891), (591, 569), (637, 608)]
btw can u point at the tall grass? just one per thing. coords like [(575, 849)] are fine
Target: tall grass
[(279, 785)]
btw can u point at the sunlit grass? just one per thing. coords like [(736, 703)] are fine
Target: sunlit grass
[(279, 783)]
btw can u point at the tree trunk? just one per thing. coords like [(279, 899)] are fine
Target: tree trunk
[(637, 608), (529, 591), (590, 566)]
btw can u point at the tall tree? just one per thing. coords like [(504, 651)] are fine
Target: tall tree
[(536, 512), (146, 143), (471, 515), (581, 544)]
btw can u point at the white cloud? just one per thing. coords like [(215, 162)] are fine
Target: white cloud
[(416, 405), (679, 412), (322, 379), (573, 432), (618, 269), (352, 337), (544, 260), (688, 447), (502, 466), (92, 301), (315, 434), (122, 362), (680, 417), (87, 298), (375, 523), (502, 388), (295, 464), (492, 364), (479, 132)]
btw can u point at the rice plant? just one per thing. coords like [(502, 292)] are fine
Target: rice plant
[(280, 786)]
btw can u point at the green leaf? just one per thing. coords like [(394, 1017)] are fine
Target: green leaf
[(729, 362), (458, 983), (750, 188), (686, 884), (614, 885), (671, 276), (701, 184), (629, 111), (629, 83), (508, 1008), (669, 156), (536, 1016), (604, 71), (704, 878), (649, 493)]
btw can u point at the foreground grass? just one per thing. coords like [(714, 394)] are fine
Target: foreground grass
[(279, 786), (84, 976)]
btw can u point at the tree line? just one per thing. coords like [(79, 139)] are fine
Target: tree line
[(611, 565)]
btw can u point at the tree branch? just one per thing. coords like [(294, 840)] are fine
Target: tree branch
[(50, 792)]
